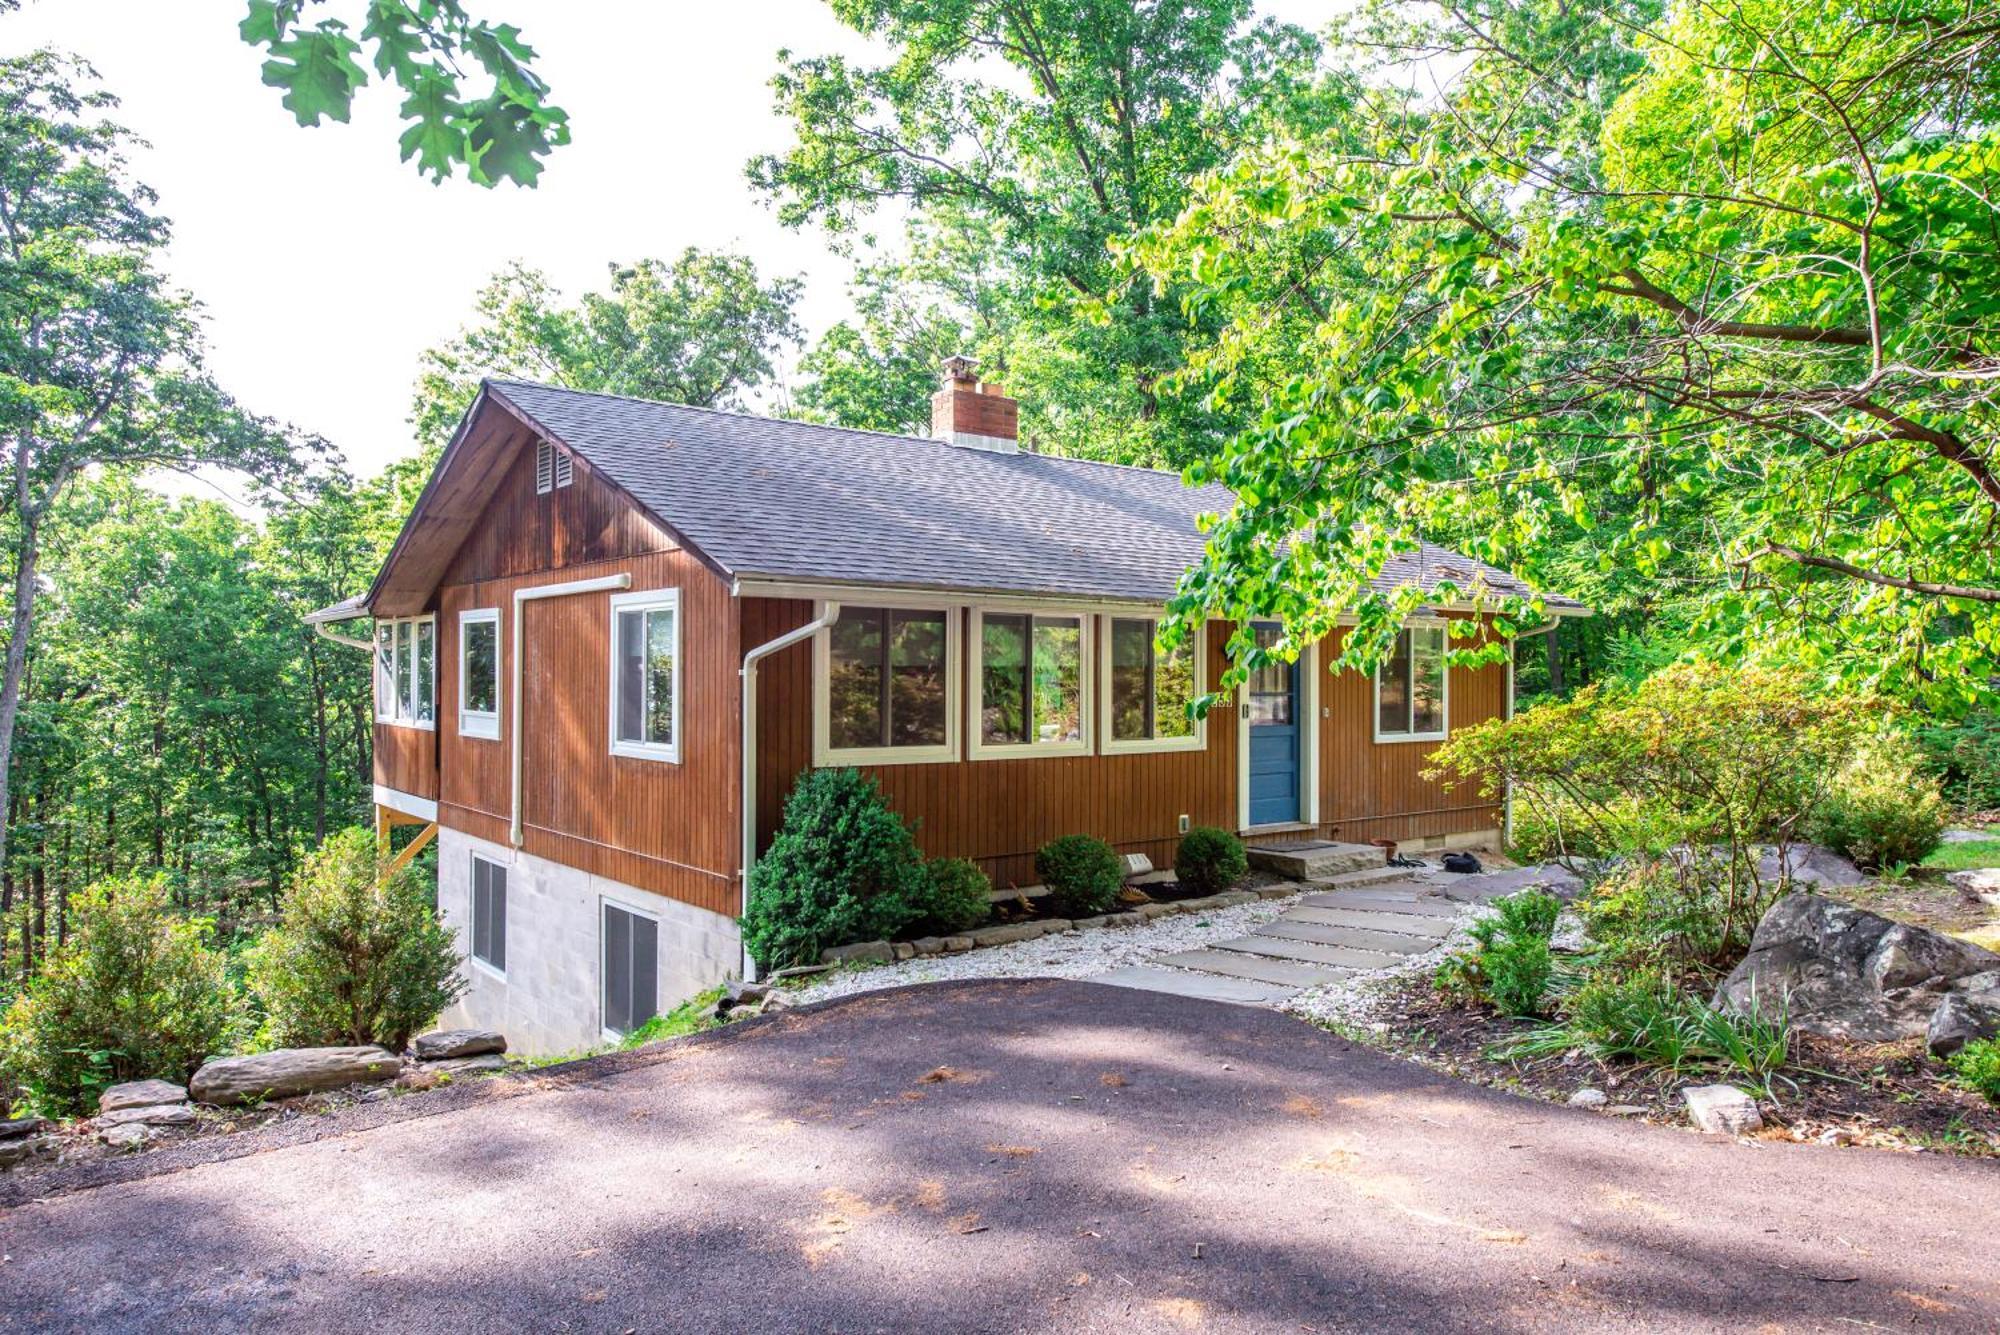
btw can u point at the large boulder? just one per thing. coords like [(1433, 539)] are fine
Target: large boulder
[(1844, 972), (446, 1044), (286, 1072), (140, 1094), (1970, 1011), (1809, 865)]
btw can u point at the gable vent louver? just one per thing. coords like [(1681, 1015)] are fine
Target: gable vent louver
[(563, 471), (553, 468)]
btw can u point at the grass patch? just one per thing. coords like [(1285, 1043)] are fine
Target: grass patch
[(1966, 856), (690, 1017)]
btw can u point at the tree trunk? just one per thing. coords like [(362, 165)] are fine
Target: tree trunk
[(319, 741), (1555, 659), (19, 626)]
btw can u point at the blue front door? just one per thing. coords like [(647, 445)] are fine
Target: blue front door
[(1274, 739)]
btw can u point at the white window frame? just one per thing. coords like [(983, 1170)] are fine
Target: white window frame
[(1113, 746), (647, 600), (824, 753), (400, 628), (479, 723), (1444, 702), (472, 915), (975, 666), (604, 1030)]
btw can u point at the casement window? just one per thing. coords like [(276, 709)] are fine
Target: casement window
[(1147, 693), (631, 969), (1411, 688), (645, 674), (406, 671), (885, 682), (1030, 691), (489, 913), (479, 672), (553, 468)]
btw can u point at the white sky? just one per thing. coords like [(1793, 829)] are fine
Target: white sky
[(326, 265)]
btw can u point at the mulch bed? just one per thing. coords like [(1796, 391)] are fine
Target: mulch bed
[(1890, 1095)]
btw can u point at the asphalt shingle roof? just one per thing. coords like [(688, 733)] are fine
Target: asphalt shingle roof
[(795, 500)]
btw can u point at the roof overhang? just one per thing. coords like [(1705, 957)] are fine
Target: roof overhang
[(347, 609)]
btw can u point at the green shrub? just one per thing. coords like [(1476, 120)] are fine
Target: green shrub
[(1883, 810), (1977, 1066), (1645, 1019), (135, 992), (1665, 913), (955, 897), (358, 956), (1965, 757), (843, 868), (1510, 965), (1083, 873), (1209, 860)]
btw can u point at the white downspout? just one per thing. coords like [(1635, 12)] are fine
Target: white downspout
[(825, 614), (514, 680), (319, 628)]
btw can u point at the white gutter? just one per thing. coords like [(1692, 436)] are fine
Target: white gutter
[(348, 640), (825, 614), (514, 680)]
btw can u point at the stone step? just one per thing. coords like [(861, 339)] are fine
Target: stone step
[(1309, 952), (1356, 880), (1380, 920), (1393, 943), (1313, 859), (1372, 901), (1204, 986), (1284, 973)]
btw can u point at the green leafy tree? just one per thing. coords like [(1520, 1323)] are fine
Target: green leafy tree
[(1707, 295), (426, 49), (100, 362), (698, 330), (359, 955), (1035, 133)]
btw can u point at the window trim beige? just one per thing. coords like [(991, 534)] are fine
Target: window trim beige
[(1112, 746), (826, 755), (1375, 695), (977, 748)]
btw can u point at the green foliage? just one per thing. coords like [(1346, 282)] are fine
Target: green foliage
[(1883, 810), (954, 897), (357, 957), (1965, 755), (1083, 873), (1672, 913), (842, 868), (689, 1017), (427, 49), (1209, 860), (1510, 965), (1646, 1019), (1965, 855), (136, 992), (1977, 1066), (698, 330)]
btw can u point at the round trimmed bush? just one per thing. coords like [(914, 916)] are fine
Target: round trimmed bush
[(958, 898), (1882, 810), (1083, 874), (843, 868), (1209, 860)]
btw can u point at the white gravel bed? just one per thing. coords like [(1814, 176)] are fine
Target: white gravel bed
[(1351, 1003), (1066, 955)]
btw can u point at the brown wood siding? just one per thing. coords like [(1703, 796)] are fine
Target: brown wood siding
[(997, 812), (522, 532), (406, 759)]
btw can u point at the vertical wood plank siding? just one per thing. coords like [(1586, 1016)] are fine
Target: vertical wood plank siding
[(406, 759)]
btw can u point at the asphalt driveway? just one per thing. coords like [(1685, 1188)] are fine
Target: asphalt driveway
[(1005, 1156)]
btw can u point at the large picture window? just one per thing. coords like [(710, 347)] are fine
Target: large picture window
[(1147, 693), (645, 668), (1031, 683), (406, 671), (886, 685), (479, 673), (1410, 688)]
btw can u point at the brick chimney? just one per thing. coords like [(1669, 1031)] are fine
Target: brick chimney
[(976, 416)]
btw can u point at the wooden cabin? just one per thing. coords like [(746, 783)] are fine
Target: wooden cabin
[(613, 633)]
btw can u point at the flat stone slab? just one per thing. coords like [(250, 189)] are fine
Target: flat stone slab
[(1258, 968), (1309, 952), (1393, 943), (1203, 986), (1307, 860), (1381, 920), (1427, 906), (140, 1094)]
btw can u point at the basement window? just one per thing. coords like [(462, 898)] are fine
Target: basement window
[(479, 672), (1030, 685), (631, 970), (1146, 692), (645, 674), (885, 686), (406, 671), (489, 914), (1411, 688)]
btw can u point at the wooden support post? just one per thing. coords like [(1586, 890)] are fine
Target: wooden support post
[(385, 822), (410, 850)]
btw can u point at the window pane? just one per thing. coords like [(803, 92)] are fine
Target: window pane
[(1427, 679), (1003, 679), (1058, 679), (631, 649), (1271, 684), (1131, 684), (1392, 694), (916, 665), (385, 671), (855, 678), (617, 970), (660, 677), (482, 667), (406, 649), (426, 670), (645, 972), (482, 913), (1174, 692)]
